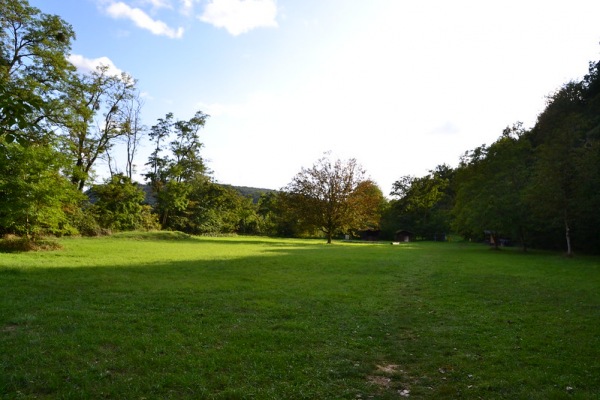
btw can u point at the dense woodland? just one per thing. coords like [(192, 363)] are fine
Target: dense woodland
[(536, 187)]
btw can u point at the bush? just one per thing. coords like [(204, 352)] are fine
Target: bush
[(12, 243)]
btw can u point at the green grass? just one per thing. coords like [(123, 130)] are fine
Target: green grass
[(165, 315)]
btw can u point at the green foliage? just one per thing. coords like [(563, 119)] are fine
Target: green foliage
[(423, 204), (187, 199), (34, 194), (254, 193), (119, 205), (267, 213), (539, 186), (33, 69), (492, 182), (173, 169), (97, 113), (14, 114), (331, 196), (215, 209), (276, 217), (566, 139), (85, 220), (368, 206)]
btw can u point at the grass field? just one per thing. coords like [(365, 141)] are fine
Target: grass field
[(163, 315)]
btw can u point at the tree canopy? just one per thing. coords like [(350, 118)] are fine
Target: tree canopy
[(538, 185), (33, 69), (333, 196)]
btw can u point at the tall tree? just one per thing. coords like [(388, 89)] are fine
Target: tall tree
[(566, 137), (90, 135), (158, 162), (492, 183), (323, 196), (187, 162), (33, 69), (369, 204), (422, 204), (175, 167), (134, 131)]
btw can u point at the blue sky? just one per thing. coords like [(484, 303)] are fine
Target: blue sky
[(401, 86)]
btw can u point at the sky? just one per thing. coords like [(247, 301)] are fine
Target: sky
[(400, 85)]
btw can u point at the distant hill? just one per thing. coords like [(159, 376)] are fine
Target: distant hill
[(245, 191), (253, 192)]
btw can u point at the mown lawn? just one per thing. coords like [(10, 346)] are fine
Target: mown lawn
[(163, 315)]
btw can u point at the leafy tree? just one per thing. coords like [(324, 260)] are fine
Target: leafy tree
[(286, 218), (119, 205), (35, 196), (492, 183), (278, 217), (267, 213), (174, 169), (588, 166), (324, 197), (249, 222), (423, 203), (33, 69), (89, 136), (173, 199), (158, 163), (369, 204), (211, 208), (187, 163), (539, 185), (566, 137)]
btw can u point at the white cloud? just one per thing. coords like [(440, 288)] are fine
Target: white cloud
[(159, 3), (240, 16), (90, 64), (187, 7), (143, 20), (146, 95)]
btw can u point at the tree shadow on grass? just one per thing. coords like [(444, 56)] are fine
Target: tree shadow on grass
[(258, 326), (289, 320)]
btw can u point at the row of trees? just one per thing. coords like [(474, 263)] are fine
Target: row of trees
[(57, 123), (537, 186)]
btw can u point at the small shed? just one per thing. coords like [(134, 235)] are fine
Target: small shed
[(403, 236)]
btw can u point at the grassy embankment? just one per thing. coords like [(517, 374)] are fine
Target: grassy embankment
[(167, 316)]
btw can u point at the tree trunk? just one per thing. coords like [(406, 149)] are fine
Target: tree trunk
[(522, 238), (164, 219), (494, 239), (568, 237)]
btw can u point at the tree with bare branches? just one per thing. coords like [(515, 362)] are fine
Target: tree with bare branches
[(96, 119)]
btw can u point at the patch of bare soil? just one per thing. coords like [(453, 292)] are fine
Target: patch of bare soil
[(388, 369), (9, 328), (387, 377), (381, 381)]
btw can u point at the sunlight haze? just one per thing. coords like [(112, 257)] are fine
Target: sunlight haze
[(400, 86)]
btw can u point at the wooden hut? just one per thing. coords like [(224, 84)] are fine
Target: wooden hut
[(403, 236)]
